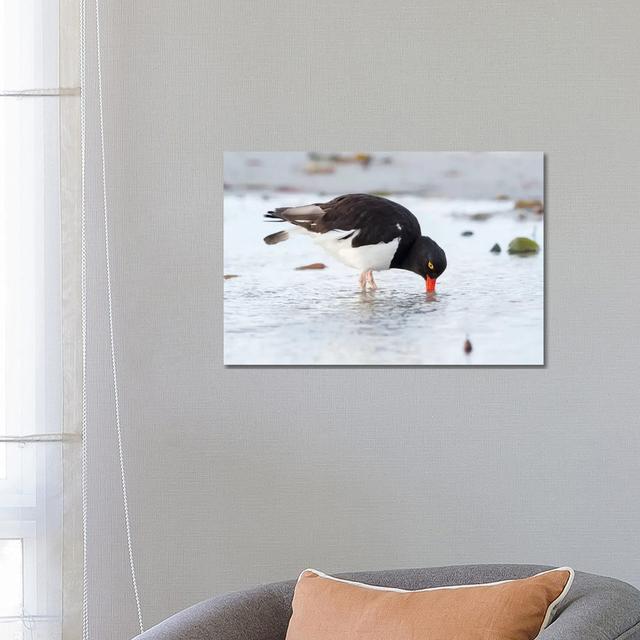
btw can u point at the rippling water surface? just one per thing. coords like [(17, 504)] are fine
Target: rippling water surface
[(275, 315)]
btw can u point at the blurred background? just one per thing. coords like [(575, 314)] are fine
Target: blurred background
[(486, 175)]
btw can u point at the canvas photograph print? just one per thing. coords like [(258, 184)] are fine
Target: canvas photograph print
[(383, 258)]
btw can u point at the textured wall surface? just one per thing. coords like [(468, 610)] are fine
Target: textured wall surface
[(239, 476)]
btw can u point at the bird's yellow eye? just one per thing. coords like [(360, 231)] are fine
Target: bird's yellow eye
[(430, 265)]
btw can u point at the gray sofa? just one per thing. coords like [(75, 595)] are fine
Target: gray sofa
[(596, 608)]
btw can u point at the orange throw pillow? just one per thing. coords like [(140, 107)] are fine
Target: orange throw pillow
[(326, 608)]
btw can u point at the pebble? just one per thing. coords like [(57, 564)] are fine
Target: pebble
[(523, 246), (313, 265)]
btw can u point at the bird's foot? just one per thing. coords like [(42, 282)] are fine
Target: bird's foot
[(372, 283), (363, 280)]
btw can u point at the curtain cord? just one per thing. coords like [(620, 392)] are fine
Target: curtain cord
[(85, 582), (114, 369), (83, 305)]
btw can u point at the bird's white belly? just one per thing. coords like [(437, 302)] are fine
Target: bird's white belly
[(375, 257)]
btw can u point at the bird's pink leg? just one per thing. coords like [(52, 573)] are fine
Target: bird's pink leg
[(371, 281), (363, 280)]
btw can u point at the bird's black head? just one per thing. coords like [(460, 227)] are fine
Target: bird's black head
[(426, 259)]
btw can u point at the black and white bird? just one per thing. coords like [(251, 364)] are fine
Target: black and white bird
[(367, 233)]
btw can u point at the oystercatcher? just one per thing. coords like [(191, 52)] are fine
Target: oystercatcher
[(368, 233)]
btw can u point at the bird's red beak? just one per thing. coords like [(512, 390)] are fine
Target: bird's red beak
[(431, 284)]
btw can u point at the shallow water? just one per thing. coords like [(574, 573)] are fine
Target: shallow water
[(275, 315)]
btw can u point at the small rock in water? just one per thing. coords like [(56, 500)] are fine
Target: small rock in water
[(466, 234), (480, 217), (496, 248), (523, 246), (468, 347), (228, 276), (313, 265)]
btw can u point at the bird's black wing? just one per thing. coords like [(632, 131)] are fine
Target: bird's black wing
[(364, 218), (376, 219)]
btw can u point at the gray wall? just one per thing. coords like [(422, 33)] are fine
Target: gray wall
[(243, 476)]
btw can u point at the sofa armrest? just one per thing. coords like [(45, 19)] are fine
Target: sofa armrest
[(597, 608), (258, 614)]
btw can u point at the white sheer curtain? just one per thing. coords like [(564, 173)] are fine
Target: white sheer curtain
[(36, 193)]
